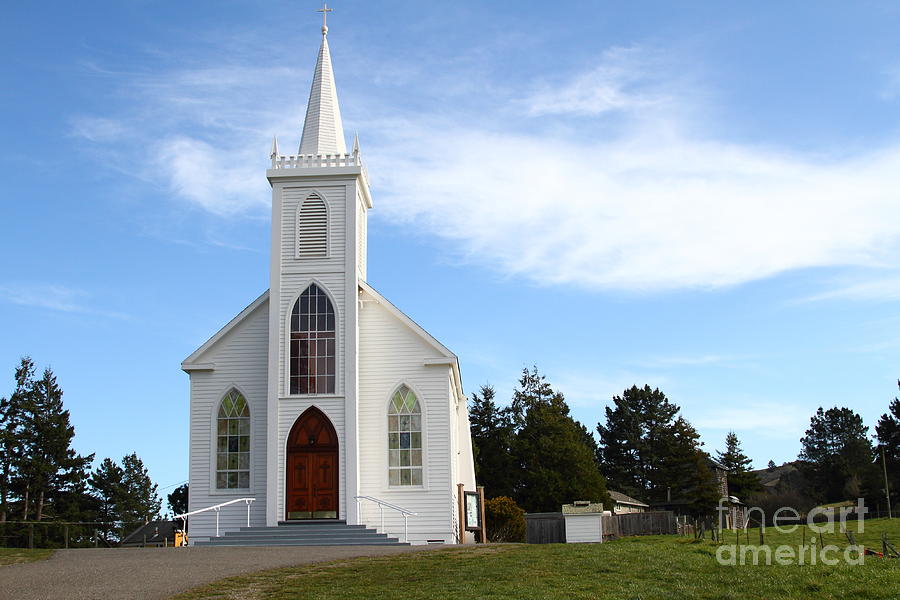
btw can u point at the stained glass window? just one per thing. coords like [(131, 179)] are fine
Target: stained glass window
[(312, 344), (404, 438), (233, 442)]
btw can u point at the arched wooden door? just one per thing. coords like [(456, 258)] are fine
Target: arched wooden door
[(312, 468)]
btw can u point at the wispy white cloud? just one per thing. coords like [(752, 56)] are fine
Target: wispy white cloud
[(658, 205), (763, 418), (880, 288), (624, 80), (53, 297)]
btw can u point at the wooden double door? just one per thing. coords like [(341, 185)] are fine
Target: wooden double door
[(312, 468)]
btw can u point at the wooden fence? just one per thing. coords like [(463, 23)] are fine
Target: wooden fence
[(661, 522), (545, 528), (550, 528)]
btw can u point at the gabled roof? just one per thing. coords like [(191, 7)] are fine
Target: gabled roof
[(447, 357), (417, 329), (323, 131), (621, 498), (193, 362)]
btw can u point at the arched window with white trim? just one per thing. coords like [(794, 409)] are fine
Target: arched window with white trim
[(312, 228), (233, 442), (404, 438), (312, 351)]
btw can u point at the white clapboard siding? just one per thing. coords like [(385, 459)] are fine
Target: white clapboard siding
[(392, 354), (240, 359), (312, 228), (292, 198)]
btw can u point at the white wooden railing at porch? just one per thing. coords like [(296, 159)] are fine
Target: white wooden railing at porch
[(381, 506), (215, 508)]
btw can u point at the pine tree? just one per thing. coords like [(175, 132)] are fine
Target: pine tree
[(492, 432), (109, 489), (835, 450), (771, 466), (633, 441), (10, 429), (47, 465), (140, 501), (682, 470), (741, 482), (556, 463), (178, 500)]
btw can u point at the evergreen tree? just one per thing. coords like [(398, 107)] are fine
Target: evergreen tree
[(492, 432), (10, 429), (836, 453), (140, 502), (109, 489), (634, 441), (887, 432), (556, 463), (741, 482), (47, 466), (178, 500), (683, 470), (771, 466)]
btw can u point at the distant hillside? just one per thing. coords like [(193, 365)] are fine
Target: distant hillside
[(781, 479)]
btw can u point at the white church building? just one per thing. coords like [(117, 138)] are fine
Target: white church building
[(321, 400)]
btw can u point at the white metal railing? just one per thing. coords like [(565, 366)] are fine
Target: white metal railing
[(381, 506), (215, 508)]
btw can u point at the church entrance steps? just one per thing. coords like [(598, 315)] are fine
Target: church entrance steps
[(304, 534)]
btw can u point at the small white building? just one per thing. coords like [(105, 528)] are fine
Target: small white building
[(321, 390)]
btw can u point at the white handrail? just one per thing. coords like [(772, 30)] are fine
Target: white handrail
[(381, 506), (216, 508)]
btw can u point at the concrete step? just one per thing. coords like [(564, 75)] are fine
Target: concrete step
[(312, 538), (335, 542), (305, 529)]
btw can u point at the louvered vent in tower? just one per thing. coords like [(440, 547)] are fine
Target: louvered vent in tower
[(312, 228)]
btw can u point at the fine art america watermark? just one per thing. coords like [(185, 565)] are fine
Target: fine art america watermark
[(785, 520)]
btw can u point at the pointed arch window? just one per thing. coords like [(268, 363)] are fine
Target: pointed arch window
[(233, 442), (312, 228), (312, 352), (404, 438)]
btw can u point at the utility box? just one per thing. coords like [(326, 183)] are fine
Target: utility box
[(584, 522)]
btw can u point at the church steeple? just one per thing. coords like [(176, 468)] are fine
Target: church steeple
[(323, 132)]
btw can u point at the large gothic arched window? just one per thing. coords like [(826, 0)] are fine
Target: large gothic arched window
[(312, 353), (404, 438), (233, 442)]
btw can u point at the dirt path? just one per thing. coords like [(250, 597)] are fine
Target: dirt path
[(139, 573)]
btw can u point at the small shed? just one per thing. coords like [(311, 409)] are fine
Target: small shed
[(584, 521)]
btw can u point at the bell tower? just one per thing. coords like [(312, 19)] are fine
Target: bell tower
[(320, 198)]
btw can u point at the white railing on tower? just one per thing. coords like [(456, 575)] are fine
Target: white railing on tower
[(309, 161), (381, 506), (215, 508)]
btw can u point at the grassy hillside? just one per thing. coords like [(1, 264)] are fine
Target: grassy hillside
[(646, 568)]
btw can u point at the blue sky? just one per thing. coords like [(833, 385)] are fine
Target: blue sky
[(702, 197)]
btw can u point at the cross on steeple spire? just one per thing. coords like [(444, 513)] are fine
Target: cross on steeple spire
[(323, 132), (325, 10)]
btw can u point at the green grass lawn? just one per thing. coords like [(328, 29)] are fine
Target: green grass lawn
[(11, 556), (645, 568)]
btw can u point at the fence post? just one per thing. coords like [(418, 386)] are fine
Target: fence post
[(96, 538), (66, 535), (31, 536)]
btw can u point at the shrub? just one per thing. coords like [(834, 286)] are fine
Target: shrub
[(505, 520)]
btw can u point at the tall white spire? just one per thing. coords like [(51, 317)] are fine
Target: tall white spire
[(323, 132)]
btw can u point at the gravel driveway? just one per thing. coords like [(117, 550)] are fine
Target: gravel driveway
[(138, 573)]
